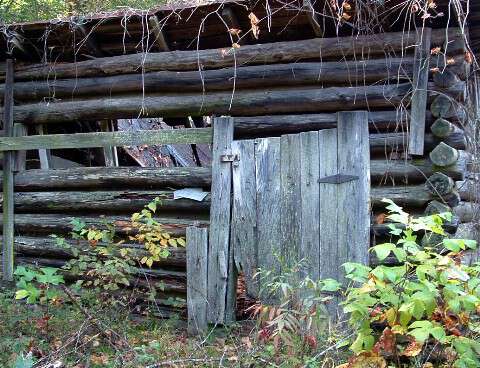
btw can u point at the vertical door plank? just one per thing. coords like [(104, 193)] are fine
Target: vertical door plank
[(197, 255), (353, 196), (8, 163), (109, 153), (220, 216), (268, 186), (419, 97), (328, 165), (291, 197), (244, 213), (310, 210)]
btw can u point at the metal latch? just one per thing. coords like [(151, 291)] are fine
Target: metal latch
[(338, 179), (229, 156)]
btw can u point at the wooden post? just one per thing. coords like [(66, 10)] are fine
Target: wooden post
[(20, 160), (8, 163), (221, 275), (197, 286), (43, 154), (420, 93), (109, 153), (156, 29)]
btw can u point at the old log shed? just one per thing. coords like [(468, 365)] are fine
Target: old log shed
[(285, 87)]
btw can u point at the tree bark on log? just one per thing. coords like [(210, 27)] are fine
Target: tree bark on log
[(314, 73), (442, 128), (408, 196), (104, 202), (467, 212), (351, 73), (413, 170), (46, 224), (47, 248), (440, 184), (113, 178), (241, 103), (279, 52), (444, 155), (384, 142), (443, 107), (469, 190), (445, 79)]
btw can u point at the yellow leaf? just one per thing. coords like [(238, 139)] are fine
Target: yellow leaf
[(172, 242), (164, 242), (149, 262), (181, 242)]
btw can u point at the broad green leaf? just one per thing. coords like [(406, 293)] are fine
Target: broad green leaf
[(21, 294)]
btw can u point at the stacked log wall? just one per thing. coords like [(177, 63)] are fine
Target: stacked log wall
[(270, 89)]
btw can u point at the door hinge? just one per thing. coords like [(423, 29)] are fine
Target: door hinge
[(338, 179), (229, 156)]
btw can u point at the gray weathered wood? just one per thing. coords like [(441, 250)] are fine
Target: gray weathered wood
[(197, 280), (443, 107), (265, 101), (20, 159), (469, 189), (442, 128), (47, 247), (309, 245), (257, 76), (353, 224), (408, 171), (220, 274), (291, 197), (156, 29), (467, 211), (113, 178), (420, 93), (45, 224), (289, 51), (444, 155), (109, 153), (104, 201), (440, 184), (268, 184), (244, 213), (106, 139), (8, 166), (445, 78), (409, 196), (44, 155), (328, 217)]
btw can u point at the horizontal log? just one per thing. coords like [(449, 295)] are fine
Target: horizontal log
[(381, 141), (279, 52), (467, 211), (48, 248), (469, 190), (107, 139), (62, 224), (113, 178), (258, 76), (167, 281), (408, 196), (265, 102), (414, 170), (237, 103), (104, 202), (315, 73)]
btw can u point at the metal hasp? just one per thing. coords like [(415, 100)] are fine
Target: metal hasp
[(338, 179)]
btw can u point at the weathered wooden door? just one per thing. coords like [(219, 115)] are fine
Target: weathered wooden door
[(303, 196)]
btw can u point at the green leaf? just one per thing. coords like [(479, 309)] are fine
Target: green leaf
[(438, 333), (21, 294), (152, 206), (330, 285), (383, 250)]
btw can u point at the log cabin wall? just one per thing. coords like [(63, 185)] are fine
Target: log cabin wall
[(285, 84)]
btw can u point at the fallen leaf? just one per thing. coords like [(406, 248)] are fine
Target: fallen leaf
[(254, 23), (413, 348), (235, 31)]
